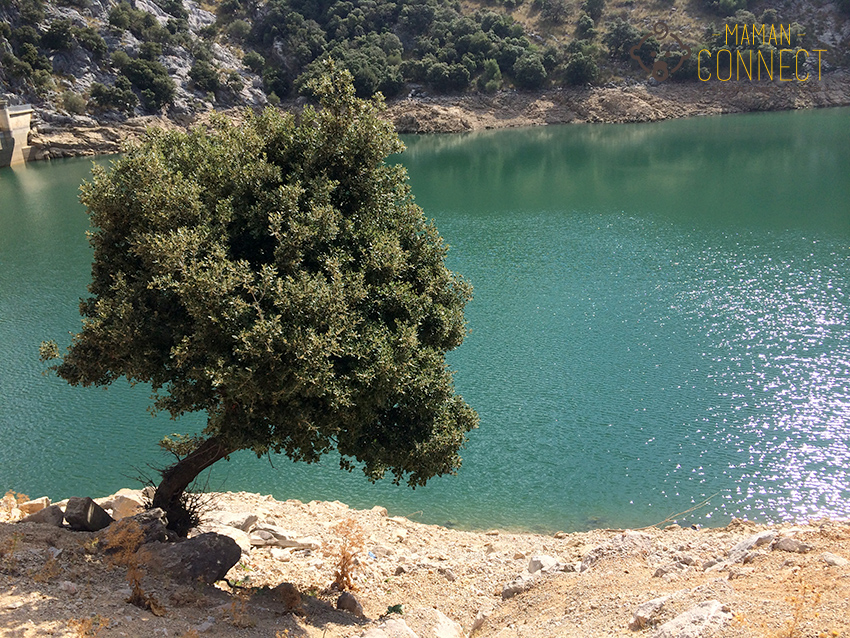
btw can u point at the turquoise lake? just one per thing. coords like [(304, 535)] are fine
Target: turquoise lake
[(661, 314)]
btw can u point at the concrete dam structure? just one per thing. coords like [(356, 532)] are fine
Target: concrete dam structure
[(14, 131)]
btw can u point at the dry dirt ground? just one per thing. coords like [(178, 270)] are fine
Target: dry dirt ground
[(56, 582)]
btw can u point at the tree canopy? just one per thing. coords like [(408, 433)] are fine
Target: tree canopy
[(277, 275)]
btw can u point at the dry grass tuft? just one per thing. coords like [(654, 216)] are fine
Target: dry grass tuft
[(121, 542), (88, 627), (346, 553)]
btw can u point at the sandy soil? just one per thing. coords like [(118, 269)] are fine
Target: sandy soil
[(57, 582)]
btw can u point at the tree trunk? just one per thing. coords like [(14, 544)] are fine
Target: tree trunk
[(182, 516)]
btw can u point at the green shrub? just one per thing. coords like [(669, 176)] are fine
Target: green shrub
[(119, 97), (90, 39), (238, 30), (26, 33), (725, 7), (205, 76), (74, 102), (529, 72), (150, 77), (581, 69), (254, 61), (490, 80), (585, 27), (58, 36), (593, 8), (16, 67), (554, 10)]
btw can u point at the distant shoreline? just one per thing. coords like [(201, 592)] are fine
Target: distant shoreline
[(640, 102)]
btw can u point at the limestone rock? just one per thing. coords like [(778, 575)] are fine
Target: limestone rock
[(33, 506), (347, 602), (738, 553), (788, 544), (240, 520), (83, 514), (645, 613), (265, 535), (833, 560), (242, 539), (428, 622), (51, 515), (542, 563), (123, 505), (698, 622), (518, 585), (207, 557)]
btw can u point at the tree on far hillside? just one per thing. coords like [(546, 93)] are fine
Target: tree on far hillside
[(278, 276)]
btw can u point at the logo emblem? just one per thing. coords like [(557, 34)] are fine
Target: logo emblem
[(659, 69)]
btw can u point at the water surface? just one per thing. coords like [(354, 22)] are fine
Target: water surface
[(660, 315)]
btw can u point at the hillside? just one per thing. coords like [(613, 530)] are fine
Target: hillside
[(102, 61)]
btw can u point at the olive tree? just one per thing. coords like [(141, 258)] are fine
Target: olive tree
[(278, 276)]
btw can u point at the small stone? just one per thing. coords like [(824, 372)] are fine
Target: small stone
[(68, 587), (347, 602), (518, 585), (83, 514), (428, 622), (738, 553), (492, 532), (282, 554), (380, 511), (667, 568), (205, 626), (272, 535), (449, 574), (33, 506), (560, 535), (833, 560), (51, 515), (519, 556), (789, 544), (672, 527), (401, 569)]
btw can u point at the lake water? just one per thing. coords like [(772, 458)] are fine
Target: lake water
[(661, 314)]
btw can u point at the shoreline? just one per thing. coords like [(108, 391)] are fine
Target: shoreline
[(632, 103), (479, 584)]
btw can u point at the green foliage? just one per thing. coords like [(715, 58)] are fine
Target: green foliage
[(141, 24), (90, 39), (621, 37), (238, 30), (119, 97), (585, 27), (555, 11), (725, 7), (254, 61), (26, 33), (74, 102), (278, 276), (31, 11), (58, 36), (529, 72), (593, 8), (150, 50), (29, 54), (16, 67), (581, 69), (150, 77), (205, 76), (490, 80)]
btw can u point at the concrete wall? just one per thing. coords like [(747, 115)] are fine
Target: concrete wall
[(14, 131)]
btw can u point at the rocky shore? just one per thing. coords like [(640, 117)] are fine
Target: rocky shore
[(55, 136), (410, 579)]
